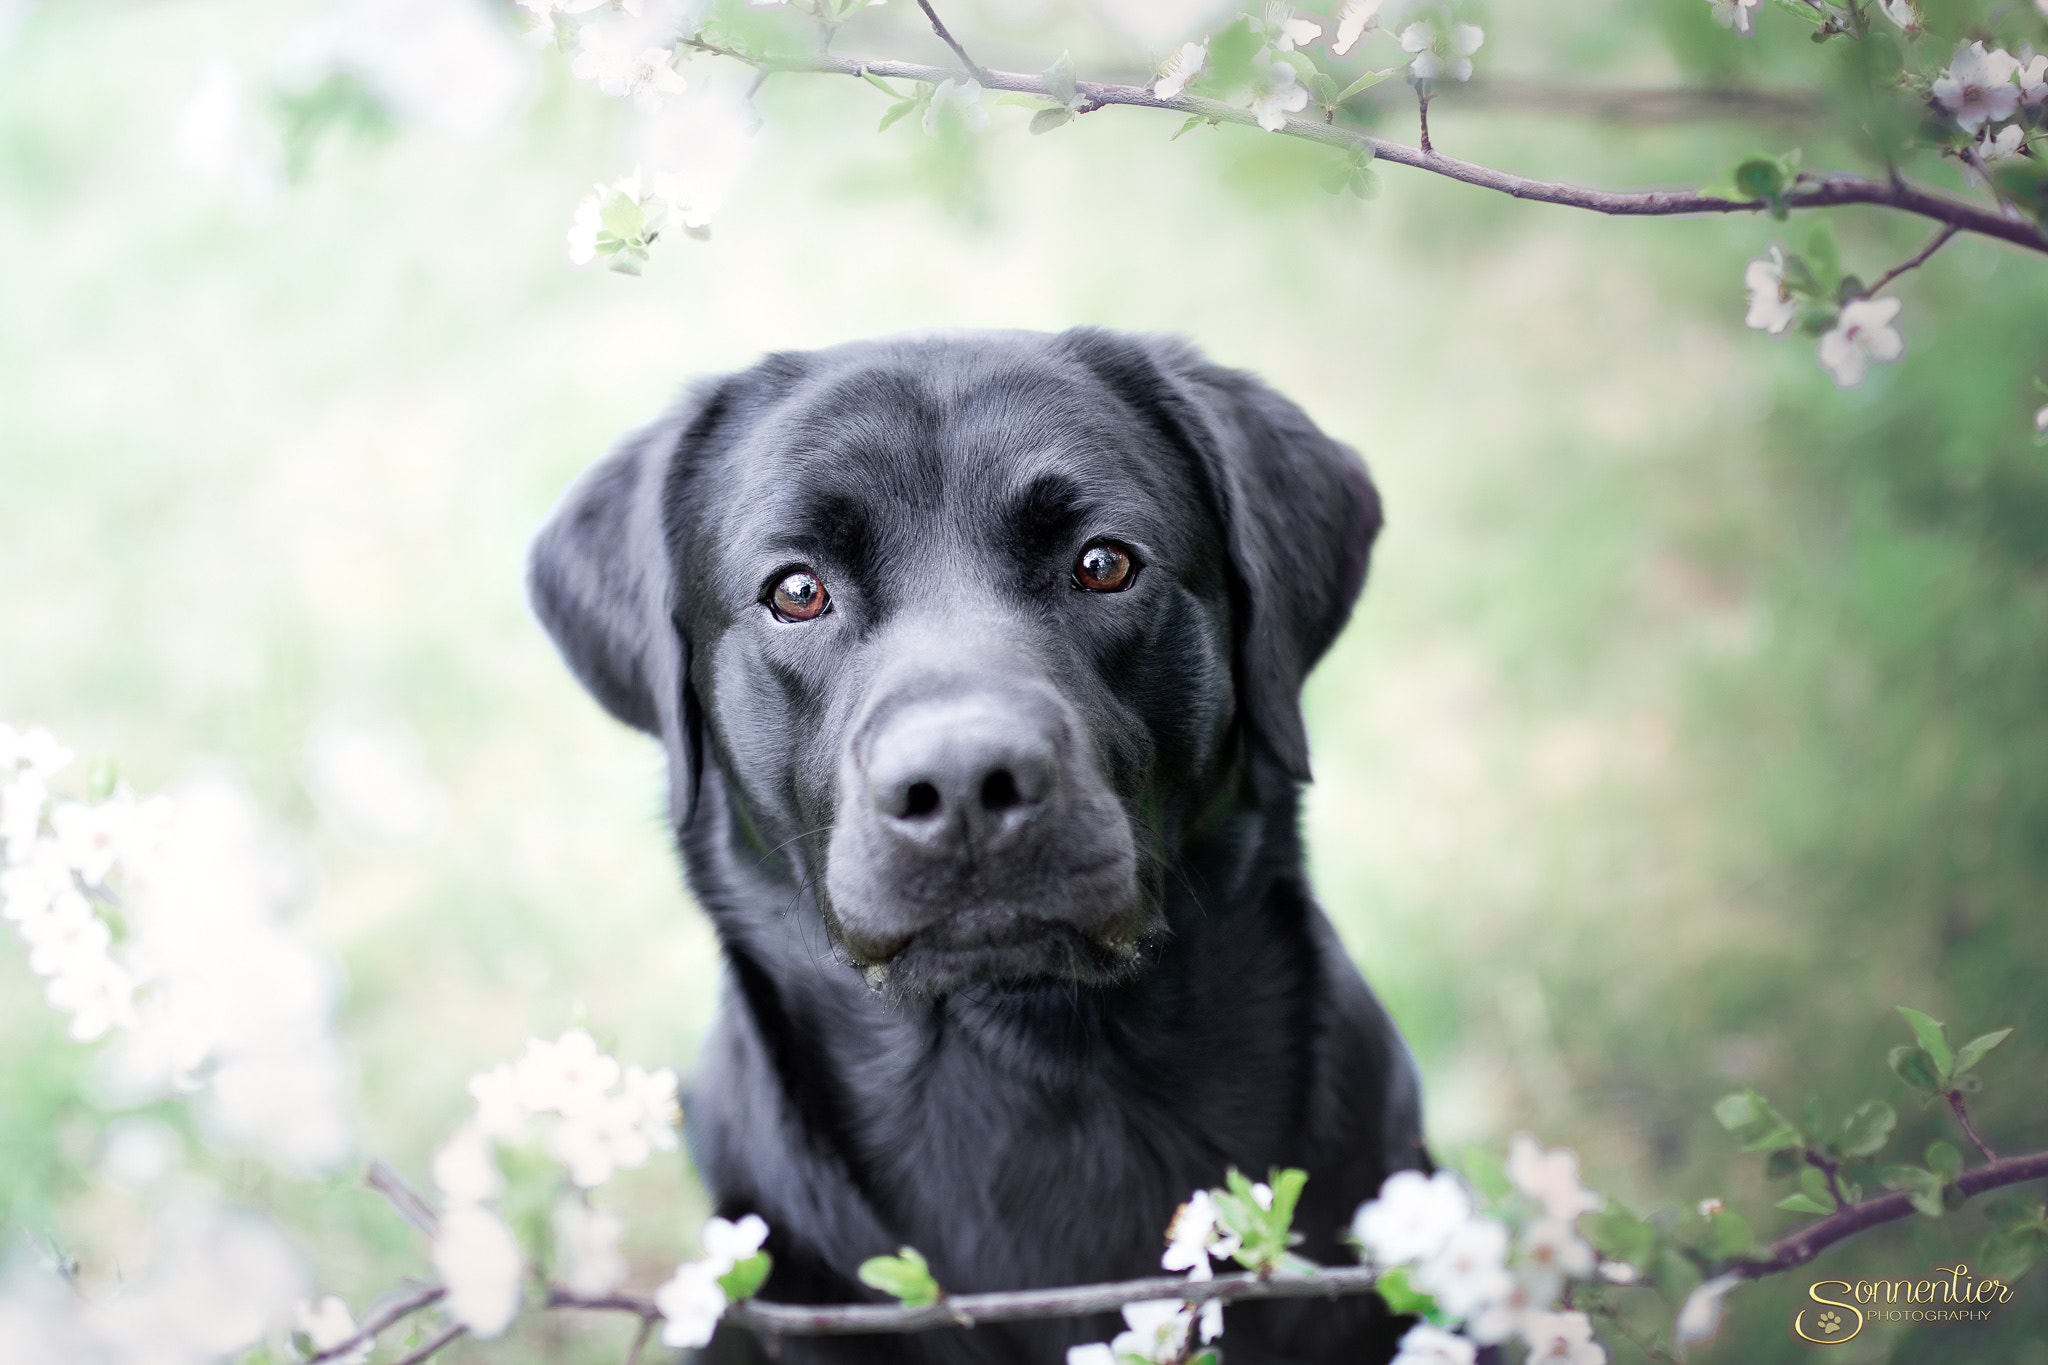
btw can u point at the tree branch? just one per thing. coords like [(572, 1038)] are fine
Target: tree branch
[(407, 1202), (1955, 1097), (1810, 1241), (444, 1338), (974, 68), (1831, 189), (424, 1297), (1919, 259)]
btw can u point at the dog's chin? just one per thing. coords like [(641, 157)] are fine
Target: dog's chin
[(1007, 950)]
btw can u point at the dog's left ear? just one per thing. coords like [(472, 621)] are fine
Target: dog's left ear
[(1298, 510), (601, 579)]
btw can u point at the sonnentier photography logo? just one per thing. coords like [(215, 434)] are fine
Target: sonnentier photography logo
[(1841, 1309)]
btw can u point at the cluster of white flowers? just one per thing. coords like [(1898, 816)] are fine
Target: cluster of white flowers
[(693, 1300), (1864, 330), (1499, 1283)]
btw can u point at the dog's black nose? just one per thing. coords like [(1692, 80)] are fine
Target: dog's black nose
[(962, 775)]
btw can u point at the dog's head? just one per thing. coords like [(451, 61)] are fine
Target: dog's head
[(973, 627)]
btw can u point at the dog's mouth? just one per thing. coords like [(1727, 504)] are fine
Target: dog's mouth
[(1007, 950)]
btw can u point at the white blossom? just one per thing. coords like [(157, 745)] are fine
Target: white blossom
[(479, 1263), (2033, 78), (1156, 1330), (66, 936), (1413, 1217), (1550, 1178), (21, 814), (1441, 56), (1194, 1236), (1618, 1272), (1529, 1290), (500, 1113), (1700, 1318), (1863, 333), (569, 1075), (691, 1302), (327, 1324), (1561, 1339), (2041, 421), (1553, 1251), (98, 993), (1182, 67), (1289, 30), (1092, 1353), (963, 98), (624, 66), (1354, 21), (30, 887), (1470, 1270), (465, 1169), (1739, 15), (1276, 92), (587, 1247), (1992, 148), (727, 1243), (1978, 86), (91, 838), (600, 1140), (685, 202), (1901, 13), (1427, 1345), (38, 750), (1771, 305)]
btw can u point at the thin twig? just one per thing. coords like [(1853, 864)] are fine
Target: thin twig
[(444, 1338), (1939, 241), (1803, 1245), (974, 68), (424, 1297), (1422, 107), (640, 1340), (1829, 189), (1828, 1168), (1962, 1113), (407, 1202)]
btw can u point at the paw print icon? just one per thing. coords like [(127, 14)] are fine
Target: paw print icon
[(1830, 1323)]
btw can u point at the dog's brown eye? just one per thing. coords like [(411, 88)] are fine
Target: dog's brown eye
[(1105, 566), (800, 596)]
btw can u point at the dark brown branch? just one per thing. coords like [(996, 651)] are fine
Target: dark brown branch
[(1962, 1113), (640, 1341), (965, 1310), (1919, 259), (974, 68), (443, 1338), (1803, 1245), (1833, 189), (407, 1202), (424, 1297), (1828, 1169)]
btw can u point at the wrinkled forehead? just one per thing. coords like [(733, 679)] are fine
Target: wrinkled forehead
[(981, 452)]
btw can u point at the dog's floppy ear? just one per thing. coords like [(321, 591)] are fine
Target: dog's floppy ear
[(1298, 511), (601, 579)]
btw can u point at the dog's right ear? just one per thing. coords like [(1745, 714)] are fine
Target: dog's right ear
[(601, 578)]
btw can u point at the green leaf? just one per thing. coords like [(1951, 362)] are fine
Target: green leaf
[(1760, 177), (876, 81), (897, 111), (621, 217), (1059, 78), (905, 1276), (1824, 255), (1923, 1187), (1783, 1162), (1868, 1129), (1944, 1160), (746, 1277), (1325, 89), (1800, 1203), (2011, 1253), (1265, 1232), (1621, 1236), (1913, 1066), (1363, 84), (1805, 12), (1304, 66), (1045, 120), (1815, 1184), (1932, 1037), (1756, 1125), (1188, 127), (1728, 1234), (101, 777), (1977, 1049), (1398, 1288)]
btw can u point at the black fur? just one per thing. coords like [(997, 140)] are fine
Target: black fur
[(1020, 1052)]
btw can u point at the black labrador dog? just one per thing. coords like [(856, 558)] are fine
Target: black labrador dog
[(977, 662)]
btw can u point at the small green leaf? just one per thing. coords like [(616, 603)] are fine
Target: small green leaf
[(1913, 1066), (897, 111), (1824, 255), (101, 777), (1868, 1129), (1977, 1049), (1363, 84), (1621, 1236), (621, 217), (1756, 1125), (1800, 1203), (1398, 1288), (1815, 1183), (876, 81), (1932, 1037), (1760, 177), (1045, 120), (904, 1276), (1325, 89), (1728, 1235), (2007, 1255), (1304, 66), (1059, 78), (1188, 127), (1944, 1160), (1923, 1187), (745, 1279)]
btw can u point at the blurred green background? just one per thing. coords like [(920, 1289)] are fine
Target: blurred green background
[(1693, 716)]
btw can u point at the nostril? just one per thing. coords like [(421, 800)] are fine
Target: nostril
[(921, 800), (999, 791)]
